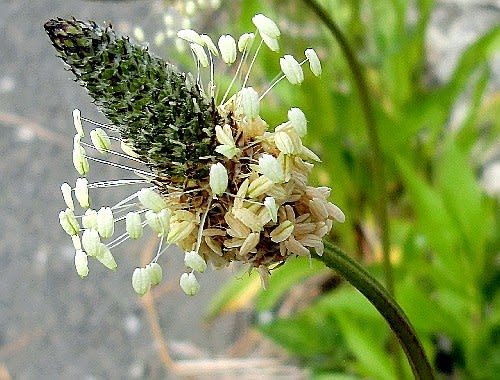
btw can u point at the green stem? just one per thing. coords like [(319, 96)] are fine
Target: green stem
[(377, 159), (357, 276)]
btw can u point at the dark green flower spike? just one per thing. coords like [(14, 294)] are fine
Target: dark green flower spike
[(161, 112)]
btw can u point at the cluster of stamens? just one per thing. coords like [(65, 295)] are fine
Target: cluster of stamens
[(255, 206)]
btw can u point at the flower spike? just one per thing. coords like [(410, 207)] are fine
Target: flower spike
[(215, 179)]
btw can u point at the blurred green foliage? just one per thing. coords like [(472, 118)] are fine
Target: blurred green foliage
[(445, 235)]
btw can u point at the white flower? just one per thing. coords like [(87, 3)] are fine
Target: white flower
[(189, 284), (314, 63), (227, 47), (218, 178), (292, 70)]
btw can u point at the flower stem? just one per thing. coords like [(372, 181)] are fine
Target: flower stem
[(377, 159), (357, 276)]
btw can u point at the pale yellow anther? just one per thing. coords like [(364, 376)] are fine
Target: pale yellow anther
[(89, 220), (77, 122), (271, 42), (245, 41), (266, 26), (141, 281), (248, 218), (270, 167), (194, 261), (133, 225), (191, 36), (259, 186), (82, 192), (80, 161), (105, 222), (224, 134), (282, 232), (288, 142), (292, 69), (91, 242), (179, 231), (68, 199), (248, 102), (151, 200), (272, 209), (314, 63), (189, 284), (128, 150), (228, 151), (159, 221), (155, 273), (209, 44), (68, 222), (201, 55), (218, 179), (100, 140), (105, 257), (227, 47), (298, 121), (250, 243), (81, 263)]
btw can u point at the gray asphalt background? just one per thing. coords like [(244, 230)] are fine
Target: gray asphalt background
[(52, 324)]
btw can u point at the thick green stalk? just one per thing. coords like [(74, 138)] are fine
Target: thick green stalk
[(377, 159), (357, 276)]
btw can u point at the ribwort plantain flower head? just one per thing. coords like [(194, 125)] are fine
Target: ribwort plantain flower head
[(216, 179)]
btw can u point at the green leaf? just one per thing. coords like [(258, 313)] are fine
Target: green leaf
[(462, 198), (284, 277), (234, 295), (435, 222), (373, 359)]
